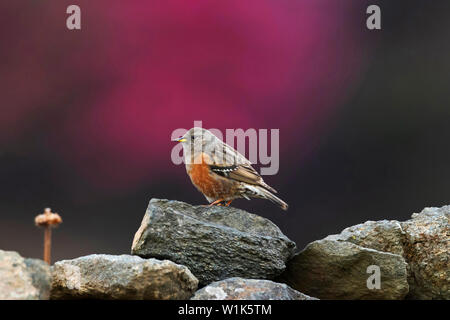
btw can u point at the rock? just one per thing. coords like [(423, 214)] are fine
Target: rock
[(101, 276), (384, 235), (248, 289), (23, 279), (214, 242), (424, 243), (331, 269), (427, 250)]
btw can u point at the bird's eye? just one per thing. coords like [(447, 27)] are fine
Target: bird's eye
[(192, 138)]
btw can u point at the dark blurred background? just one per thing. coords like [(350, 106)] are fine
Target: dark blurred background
[(86, 116)]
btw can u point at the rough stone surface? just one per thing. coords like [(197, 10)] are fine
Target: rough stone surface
[(384, 235), (248, 289), (423, 242), (214, 242), (23, 279), (427, 250), (331, 269), (101, 276)]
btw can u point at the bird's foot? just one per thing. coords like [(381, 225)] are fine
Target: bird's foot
[(218, 202)]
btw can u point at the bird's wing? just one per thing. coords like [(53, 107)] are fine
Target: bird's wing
[(229, 163), (227, 156)]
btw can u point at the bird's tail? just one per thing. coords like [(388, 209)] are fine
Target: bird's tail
[(260, 192)]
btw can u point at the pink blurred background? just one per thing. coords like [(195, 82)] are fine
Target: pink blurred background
[(136, 72), (87, 115)]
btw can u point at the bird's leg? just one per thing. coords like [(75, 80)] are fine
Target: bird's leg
[(217, 202), (228, 203)]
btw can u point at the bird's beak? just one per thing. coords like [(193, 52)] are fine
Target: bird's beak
[(180, 139)]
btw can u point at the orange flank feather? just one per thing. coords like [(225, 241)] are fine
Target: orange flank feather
[(202, 177)]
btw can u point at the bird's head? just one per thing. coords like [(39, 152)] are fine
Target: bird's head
[(196, 139)]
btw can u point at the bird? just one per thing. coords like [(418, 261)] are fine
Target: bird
[(220, 172)]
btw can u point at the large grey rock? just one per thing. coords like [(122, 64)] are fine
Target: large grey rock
[(384, 235), (423, 241), (214, 242), (331, 269), (427, 250), (23, 279), (101, 276), (248, 289)]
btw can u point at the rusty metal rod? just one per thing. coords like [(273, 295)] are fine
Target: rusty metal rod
[(48, 244)]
